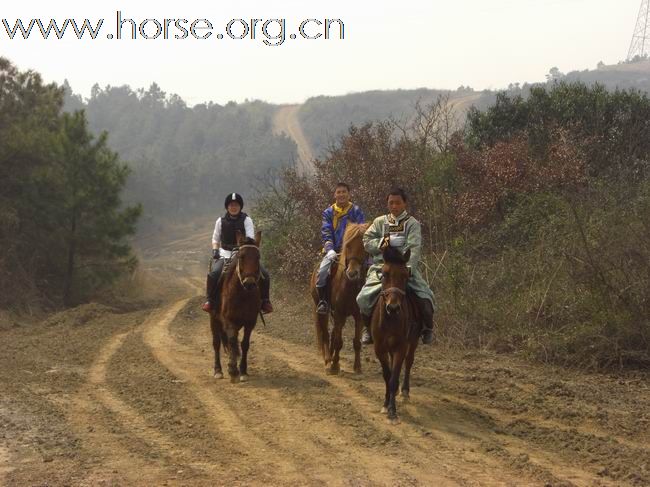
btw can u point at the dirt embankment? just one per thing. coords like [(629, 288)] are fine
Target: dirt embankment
[(98, 396)]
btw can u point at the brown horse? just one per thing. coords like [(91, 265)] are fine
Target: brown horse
[(346, 280), (395, 328), (238, 307)]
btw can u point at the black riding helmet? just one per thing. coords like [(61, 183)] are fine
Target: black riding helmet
[(234, 197)]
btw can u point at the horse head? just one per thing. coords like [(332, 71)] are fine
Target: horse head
[(394, 276), (353, 254), (248, 260)]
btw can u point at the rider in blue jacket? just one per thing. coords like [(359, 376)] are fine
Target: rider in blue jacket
[(335, 219)]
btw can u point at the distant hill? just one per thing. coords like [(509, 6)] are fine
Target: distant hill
[(325, 118), (185, 157), (624, 76), (634, 75)]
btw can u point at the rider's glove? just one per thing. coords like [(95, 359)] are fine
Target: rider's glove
[(215, 253), (331, 254), (397, 240)]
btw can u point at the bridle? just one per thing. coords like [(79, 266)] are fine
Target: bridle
[(386, 292), (354, 258), (362, 265), (258, 276)]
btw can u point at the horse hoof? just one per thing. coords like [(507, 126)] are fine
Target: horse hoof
[(218, 375), (384, 410), (405, 397), (394, 421), (333, 370), (357, 370), (234, 379), (243, 378)]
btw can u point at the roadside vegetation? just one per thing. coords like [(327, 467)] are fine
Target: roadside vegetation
[(536, 218), (63, 227)]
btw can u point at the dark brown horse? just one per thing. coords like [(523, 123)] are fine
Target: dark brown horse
[(346, 280), (395, 328), (238, 307)]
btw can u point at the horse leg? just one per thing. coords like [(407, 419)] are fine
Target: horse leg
[(323, 336), (233, 345), (358, 327), (393, 386), (337, 343), (408, 363), (215, 327), (382, 355), (243, 363)]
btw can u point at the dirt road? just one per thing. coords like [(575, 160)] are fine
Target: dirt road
[(105, 396), (286, 121)]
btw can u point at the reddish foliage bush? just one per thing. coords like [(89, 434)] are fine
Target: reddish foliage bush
[(489, 176)]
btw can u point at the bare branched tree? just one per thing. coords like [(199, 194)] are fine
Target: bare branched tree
[(432, 125)]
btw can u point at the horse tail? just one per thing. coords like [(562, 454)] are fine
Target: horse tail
[(322, 333)]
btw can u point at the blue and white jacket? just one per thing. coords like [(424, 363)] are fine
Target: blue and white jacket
[(334, 222)]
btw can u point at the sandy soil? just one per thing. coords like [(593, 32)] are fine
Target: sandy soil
[(102, 396)]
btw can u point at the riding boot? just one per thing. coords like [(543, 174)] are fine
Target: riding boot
[(366, 335), (265, 290), (323, 305), (426, 311), (211, 291)]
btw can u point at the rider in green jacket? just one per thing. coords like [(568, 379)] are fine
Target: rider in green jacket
[(400, 230)]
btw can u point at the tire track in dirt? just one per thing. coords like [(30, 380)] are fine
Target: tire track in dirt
[(496, 421), (5, 464), (442, 449), (311, 436), (132, 425), (506, 445), (376, 467), (281, 422), (448, 385), (90, 426), (224, 417), (295, 357)]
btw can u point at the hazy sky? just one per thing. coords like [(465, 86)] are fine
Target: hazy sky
[(387, 45)]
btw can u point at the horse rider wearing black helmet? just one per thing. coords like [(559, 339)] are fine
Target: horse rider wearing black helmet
[(224, 240)]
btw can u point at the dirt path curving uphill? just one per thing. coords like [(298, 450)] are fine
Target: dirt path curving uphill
[(98, 396), (286, 121)]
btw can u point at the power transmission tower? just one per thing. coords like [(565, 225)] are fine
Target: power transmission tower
[(640, 45)]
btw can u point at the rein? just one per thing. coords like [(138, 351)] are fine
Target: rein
[(360, 260), (353, 258)]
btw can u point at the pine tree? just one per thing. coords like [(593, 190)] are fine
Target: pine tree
[(94, 223)]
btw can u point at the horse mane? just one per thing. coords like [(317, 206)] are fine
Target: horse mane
[(393, 256), (352, 230)]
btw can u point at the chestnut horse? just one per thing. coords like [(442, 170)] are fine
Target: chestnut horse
[(238, 307), (395, 327), (346, 280)]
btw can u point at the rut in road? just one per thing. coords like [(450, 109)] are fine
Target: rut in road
[(321, 446)]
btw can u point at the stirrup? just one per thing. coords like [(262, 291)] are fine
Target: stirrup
[(366, 337), (427, 336), (323, 307)]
